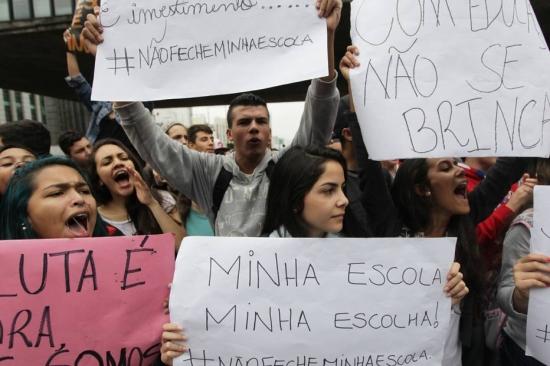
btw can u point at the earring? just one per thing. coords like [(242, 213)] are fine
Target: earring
[(428, 194), (24, 227)]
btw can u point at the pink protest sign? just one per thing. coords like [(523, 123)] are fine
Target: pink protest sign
[(94, 301)]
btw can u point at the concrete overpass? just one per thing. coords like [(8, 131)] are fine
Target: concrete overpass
[(33, 53)]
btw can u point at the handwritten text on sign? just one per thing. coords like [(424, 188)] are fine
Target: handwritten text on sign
[(451, 78), (83, 302), (323, 302), (538, 319), (177, 49)]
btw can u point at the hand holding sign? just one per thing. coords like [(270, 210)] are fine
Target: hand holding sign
[(462, 79), (455, 287), (172, 343), (145, 66), (281, 301), (80, 301), (92, 31), (531, 271)]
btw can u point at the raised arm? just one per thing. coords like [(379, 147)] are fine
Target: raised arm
[(492, 190), (190, 172), (321, 104), (376, 197), (75, 80), (166, 223)]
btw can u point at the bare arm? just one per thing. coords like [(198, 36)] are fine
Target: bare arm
[(166, 223), (72, 62)]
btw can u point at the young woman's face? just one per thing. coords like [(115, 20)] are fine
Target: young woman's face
[(11, 159), (112, 166), (325, 204), (61, 205), (447, 186)]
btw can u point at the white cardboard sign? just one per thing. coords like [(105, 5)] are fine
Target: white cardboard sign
[(538, 319), (313, 302), (451, 78), (167, 49)]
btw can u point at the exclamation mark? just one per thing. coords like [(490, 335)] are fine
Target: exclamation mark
[(436, 323)]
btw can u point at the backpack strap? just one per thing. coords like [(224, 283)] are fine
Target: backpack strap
[(222, 182), (269, 169)]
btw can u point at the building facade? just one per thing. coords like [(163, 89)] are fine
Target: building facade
[(57, 114)]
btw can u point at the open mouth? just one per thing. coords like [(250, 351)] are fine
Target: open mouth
[(122, 177), (254, 141), (461, 190), (78, 224)]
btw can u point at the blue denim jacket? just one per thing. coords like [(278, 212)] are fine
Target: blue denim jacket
[(98, 110)]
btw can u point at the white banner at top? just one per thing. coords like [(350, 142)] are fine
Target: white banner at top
[(167, 49), (451, 78)]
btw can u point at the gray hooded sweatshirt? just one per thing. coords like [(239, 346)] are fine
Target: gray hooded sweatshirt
[(194, 174)]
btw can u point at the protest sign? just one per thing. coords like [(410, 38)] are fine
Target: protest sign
[(75, 43), (323, 302), (178, 49), (451, 78), (538, 318), (83, 301)]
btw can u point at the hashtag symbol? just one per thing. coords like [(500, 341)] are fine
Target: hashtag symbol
[(121, 62), (544, 334)]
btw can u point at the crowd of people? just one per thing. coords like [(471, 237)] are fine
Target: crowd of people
[(128, 176)]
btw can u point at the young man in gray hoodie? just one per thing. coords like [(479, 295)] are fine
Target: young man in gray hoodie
[(242, 208)]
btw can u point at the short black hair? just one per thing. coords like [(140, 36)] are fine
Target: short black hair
[(341, 118), (33, 135), (67, 139), (245, 99), (194, 129)]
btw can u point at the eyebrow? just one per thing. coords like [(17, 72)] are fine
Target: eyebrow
[(66, 185), (13, 157)]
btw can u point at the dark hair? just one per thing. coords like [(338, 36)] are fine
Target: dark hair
[(14, 222), (141, 216), (415, 210), (245, 99), (194, 129), (293, 177), (67, 139), (341, 119), (31, 134), (540, 168)]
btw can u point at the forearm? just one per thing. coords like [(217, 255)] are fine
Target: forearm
[(330, 56), (494, 227), (189, 172), (516, 245), (154, 146), (72, 65), (166, 223), (376, 197), (490, 192), (520, 301), (319, 116)]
